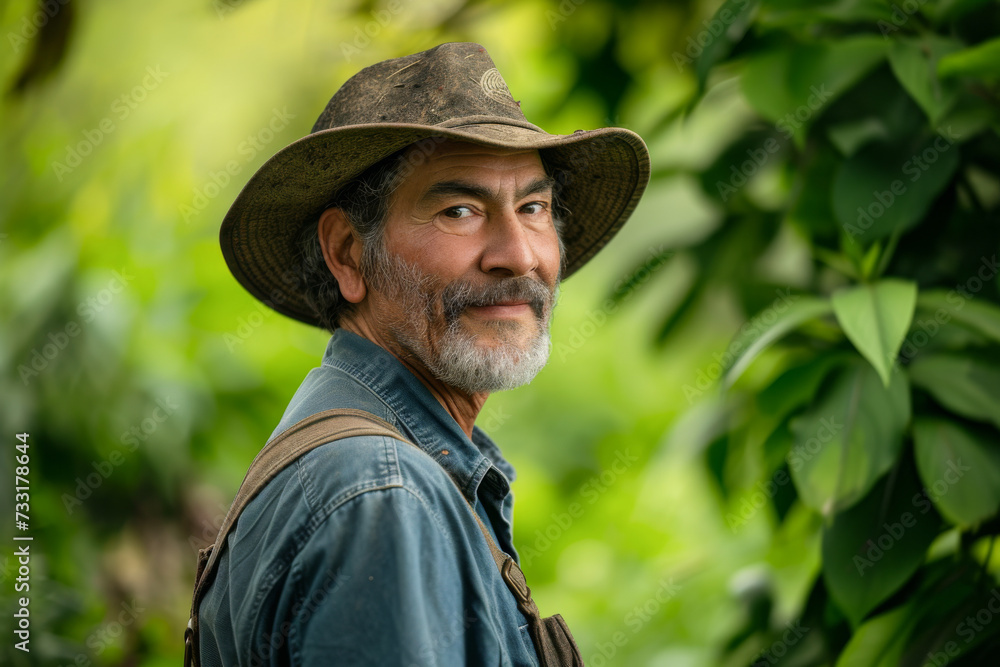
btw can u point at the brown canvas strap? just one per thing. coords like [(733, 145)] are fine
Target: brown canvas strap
[(552, 639)]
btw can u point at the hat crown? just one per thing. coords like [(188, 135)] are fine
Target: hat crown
[(452, 80)]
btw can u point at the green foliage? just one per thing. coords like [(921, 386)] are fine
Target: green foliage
[(752, 340), (848, 437), (859, 350), (964, 464), (876, 150), (873, 213), (875, 318), (873, 548), (961, 384)]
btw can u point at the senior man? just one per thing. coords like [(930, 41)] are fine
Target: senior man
[(427, 225)]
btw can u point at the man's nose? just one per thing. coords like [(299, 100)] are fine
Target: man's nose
[(509, 249)]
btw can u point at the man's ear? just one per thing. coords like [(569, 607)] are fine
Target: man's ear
[(342, 252)]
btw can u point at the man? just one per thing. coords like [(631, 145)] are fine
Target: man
[(426, 224)]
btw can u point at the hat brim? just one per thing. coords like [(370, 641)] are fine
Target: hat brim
[(606, 171)]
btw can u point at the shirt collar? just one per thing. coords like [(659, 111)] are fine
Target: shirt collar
[(422, 418)]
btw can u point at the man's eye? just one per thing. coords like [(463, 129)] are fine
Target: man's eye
[(455, 212), (535, 207)]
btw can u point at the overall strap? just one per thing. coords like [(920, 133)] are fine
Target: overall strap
[(305, 435), (297, 440)]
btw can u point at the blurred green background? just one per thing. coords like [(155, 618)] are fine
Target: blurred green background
[(147, 379)]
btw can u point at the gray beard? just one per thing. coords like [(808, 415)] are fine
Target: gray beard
[(455, 359), (462, 364)]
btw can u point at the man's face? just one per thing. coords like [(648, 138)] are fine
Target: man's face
[(470, 271)]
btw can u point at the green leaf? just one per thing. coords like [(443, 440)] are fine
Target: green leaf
[(792, 85), (873, 548), (775, 449), (932, 620), (850, 436), (965, 309), (850, 135), (764, 83), (914, 62), (768, 326), (948, 10), (681, 310), (982, 60), (797, 385), (788, 13), (876, 108), (734, 18), (960, 470), (833, 66), (876, 318), (868, 262), (966, 387), (884, 187), (838, 261), (879, 642), (970, 116), (948, 596)]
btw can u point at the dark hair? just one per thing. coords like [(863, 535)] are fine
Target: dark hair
[(365, 202)]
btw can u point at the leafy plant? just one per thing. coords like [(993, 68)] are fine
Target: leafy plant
[(876, 150)]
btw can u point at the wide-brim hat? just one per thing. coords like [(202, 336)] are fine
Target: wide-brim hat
[(452, 91)]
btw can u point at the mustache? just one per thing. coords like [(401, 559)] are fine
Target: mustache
[(462, 294)]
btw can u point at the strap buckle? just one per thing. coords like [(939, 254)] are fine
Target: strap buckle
[(189, 657)]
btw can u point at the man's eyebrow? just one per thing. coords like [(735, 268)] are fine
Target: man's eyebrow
[(445, 189)]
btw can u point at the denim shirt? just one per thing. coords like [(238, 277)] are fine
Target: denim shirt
[(363, 551)]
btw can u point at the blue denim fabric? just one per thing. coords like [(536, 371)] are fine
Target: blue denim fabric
[(364, 552)]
